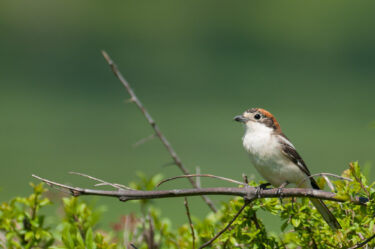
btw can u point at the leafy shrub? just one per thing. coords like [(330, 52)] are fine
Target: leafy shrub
[(22, 225)]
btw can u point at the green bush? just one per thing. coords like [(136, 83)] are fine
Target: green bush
[(22, 225)]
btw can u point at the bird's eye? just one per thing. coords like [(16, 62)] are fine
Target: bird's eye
[(257, 116)]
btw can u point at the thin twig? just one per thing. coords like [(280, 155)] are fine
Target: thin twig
[(102, 182), (325, 174), (198, 180), (245, 178), (254, 218), (151, 121), (247, 193), (75, 191), (363, 243), (329, 183), (351, 166), (201, 175), (132, 245), (144, 140), (190, 222), (313, 242), (247, 202)]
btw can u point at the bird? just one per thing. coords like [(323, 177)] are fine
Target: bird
[(275, 157)]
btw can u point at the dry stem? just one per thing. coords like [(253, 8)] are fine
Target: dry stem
[(150, 120), (190, 222)]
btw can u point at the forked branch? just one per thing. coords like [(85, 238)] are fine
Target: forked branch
[(151, 121)]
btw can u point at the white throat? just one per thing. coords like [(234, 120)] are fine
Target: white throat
[(259, 140), (255, 127)]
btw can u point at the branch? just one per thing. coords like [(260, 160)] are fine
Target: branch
[(150, 120), (190, 222), (144, 140), (132, 245), (361, 244), (102, 182), (201, 175), (324, 175), (247, 193)]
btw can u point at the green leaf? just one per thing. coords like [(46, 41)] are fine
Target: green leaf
[(80, 239), (67, 238), (90, 244), (283, 226), (296, 222)]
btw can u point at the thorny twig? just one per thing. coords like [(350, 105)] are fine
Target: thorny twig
[(190, 222), (150, 120)]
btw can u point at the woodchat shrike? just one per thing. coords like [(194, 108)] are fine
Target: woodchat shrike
[(276, 158)]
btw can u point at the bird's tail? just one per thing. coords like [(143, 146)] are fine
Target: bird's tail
[(327, 215)]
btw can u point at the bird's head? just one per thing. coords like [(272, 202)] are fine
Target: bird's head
[(256, 118)]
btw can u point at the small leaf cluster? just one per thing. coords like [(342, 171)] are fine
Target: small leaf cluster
[(77, 227), (22, 222)]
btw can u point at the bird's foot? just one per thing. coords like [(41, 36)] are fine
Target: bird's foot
[(293, 200), (261, 187), (280, 191)]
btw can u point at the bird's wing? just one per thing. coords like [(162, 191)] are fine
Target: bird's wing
[(290, 152)]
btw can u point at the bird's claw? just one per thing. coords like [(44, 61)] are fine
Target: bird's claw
[(280, 191), (261, 187)]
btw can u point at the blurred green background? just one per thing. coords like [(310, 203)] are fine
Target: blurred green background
[(195, 65)]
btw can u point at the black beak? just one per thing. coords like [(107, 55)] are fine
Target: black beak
[(240, 118)]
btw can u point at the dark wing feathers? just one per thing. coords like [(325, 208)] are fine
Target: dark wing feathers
[(290, 152)]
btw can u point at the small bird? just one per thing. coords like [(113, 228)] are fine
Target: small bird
[(276, 158)]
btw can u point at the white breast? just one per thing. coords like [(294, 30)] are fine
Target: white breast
[(261, 144), (265, 152)]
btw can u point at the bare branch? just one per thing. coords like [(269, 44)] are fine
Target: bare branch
[(151, 121), (247, 202), (190, 222), (61, 187), (247, 193), (363, 243), (102, 182), (201, 175)]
